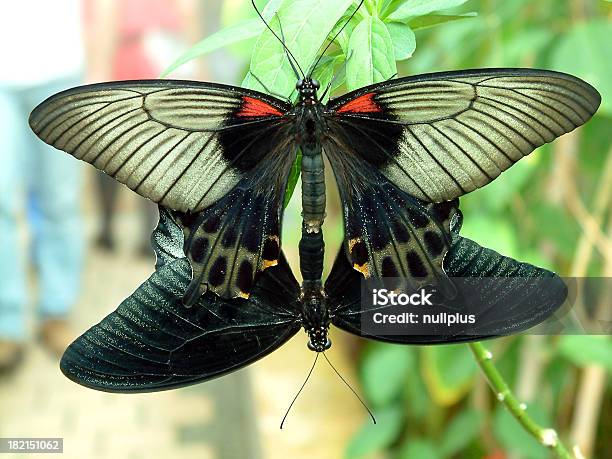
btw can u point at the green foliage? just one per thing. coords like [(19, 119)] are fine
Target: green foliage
[(461, 430), (372, 59), (448, 371), (419, 449), (576, 54), (384, 371), (587, 350), (403, 39), (375, 437), (404, 11)]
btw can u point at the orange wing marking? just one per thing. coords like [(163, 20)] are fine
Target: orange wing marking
[(362, 104), (254, 108)]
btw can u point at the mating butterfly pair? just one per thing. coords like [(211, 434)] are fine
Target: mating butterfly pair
[(219, 157)]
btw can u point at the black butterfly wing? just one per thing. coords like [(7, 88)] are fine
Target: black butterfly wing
[(153, 342), (188, 146), (229, 243), (506, 295), (438, 136), (389, 233)]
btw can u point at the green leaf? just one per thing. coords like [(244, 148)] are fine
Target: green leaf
[(224, 37), (419, 449), (431, 20), (461, 430), (448, 371), (585, 51), (513, 436), (587, 350), (345, 29), (421, 8), (418, 401), (376, 437), (404, 40), (371, 54), (306, 25), (294, 175), (384, 372)]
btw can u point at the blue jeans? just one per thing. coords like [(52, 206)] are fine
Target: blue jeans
[(50, 180)]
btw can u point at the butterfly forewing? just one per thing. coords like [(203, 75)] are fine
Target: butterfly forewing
[(218, 153), (441, 135), (173, 142)]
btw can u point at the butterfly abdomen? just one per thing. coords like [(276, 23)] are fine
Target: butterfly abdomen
[(313, 188)]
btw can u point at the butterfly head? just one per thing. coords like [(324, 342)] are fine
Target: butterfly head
[(308, 87)]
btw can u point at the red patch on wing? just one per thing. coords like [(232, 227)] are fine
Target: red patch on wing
[(362, 104), (252, 107)]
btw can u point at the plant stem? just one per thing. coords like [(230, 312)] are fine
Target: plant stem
[(545, 436)]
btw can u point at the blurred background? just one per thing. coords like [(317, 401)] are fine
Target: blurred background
[(73, 245)]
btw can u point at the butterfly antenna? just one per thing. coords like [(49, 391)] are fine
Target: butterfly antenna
[(335, 36), (280, 26), (352, 390), (289, 53), (299, 391)]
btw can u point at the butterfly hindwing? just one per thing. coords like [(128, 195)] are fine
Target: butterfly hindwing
[(182, 144), (153, 342), (506, 296), (231, 242), (441, 135), (389, 233)]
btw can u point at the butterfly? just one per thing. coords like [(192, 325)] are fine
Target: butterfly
[(219, 157)]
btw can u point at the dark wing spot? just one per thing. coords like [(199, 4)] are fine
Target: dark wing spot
[(434, 243), (388, 268), (400, 232), (245, 276), (211, 224), (379, 238), (359, 253), (229, 237), (189, 219), (442, 211), (198, 249), (250, 240), (271, 249), (415, 264), (418, 219), (217, 272)]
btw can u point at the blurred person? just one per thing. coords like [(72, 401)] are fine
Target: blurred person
[(42, 54), (133, 40)]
